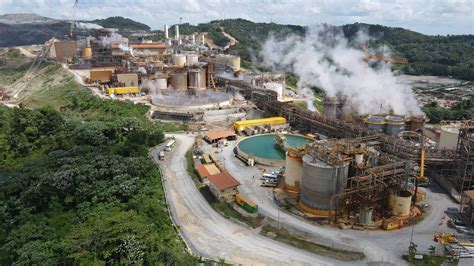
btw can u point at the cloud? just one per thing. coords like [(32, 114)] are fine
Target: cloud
[(426, 16)]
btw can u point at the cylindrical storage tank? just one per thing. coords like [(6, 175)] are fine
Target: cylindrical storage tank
[(394, 125), (196, 79), (191, 59), (202, 79), (161, 84), (87, 53), (448, 138), (320, 182), (401, 203), (330, 106), (347, 113), (234, 62), (276, 87), (376, 123), (229, 60), (365, 216), (416, 122), (293, 171), (179, 81), (179, 60)]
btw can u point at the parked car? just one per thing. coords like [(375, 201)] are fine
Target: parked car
[(459, 222), (452, 210), (270, 176)]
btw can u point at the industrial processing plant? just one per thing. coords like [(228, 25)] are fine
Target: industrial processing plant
[(332, 150), (343, 163)]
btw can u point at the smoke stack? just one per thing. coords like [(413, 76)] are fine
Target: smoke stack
[(330, 106), (202, 39), (166, 31), (194, 39), (177, 32)]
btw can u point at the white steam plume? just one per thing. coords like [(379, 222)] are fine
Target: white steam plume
[(309, 97), (149, 86), (112, 38), (115, 38), (324, 58), (126, 48), (84, 25)]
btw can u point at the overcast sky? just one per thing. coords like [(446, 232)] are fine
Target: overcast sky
[(426, 16)]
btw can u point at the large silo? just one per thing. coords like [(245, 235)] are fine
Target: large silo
[(293, 171), (449, 137), (400, 203), (230, 60), (161, 84), (394, 125), (192, 59), (375, 123), (197, 79), (416, 122), (179, 60), (276, 87), (320, 182), (330, 106), (179, 81), (347, 113)]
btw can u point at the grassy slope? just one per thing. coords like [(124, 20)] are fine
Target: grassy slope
[(8, 76)]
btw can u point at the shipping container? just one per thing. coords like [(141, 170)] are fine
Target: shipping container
[(246, 204), (123, 90)]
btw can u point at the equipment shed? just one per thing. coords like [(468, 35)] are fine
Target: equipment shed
[(223, 186)]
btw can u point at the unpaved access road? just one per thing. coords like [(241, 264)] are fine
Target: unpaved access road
[(209, 234)]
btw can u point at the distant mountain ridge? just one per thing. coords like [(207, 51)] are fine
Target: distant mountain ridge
[(25, 18)]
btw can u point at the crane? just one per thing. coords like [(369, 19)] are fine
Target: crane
[(380, 57), (422, 179)]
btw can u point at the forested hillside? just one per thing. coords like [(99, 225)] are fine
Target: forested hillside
[(121, 23), (76, 183), (427, 55)]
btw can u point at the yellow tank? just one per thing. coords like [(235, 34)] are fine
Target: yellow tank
[(87, 52), (243, 124), (123, 90), (401, 203), (318, 213)]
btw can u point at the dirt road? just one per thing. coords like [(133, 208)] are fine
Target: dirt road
[(211, 235)]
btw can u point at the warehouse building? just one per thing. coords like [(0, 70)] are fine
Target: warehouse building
[(128, 79), (100, 75), (206, 170), (215, 136), (263, 125), (223, 186), (64, 50)]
